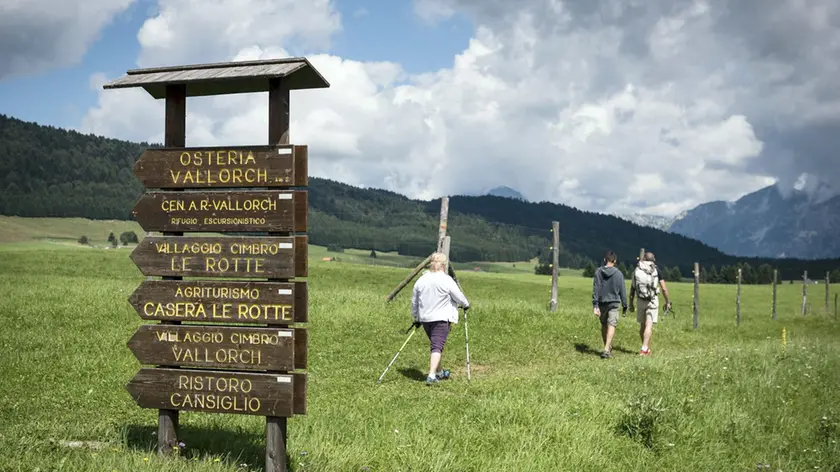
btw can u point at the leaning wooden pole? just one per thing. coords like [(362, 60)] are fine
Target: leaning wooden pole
[(444, 217), (555, 260), (410, 276), (696, 298)]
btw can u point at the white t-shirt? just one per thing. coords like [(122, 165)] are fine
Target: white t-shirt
[(436, 298)]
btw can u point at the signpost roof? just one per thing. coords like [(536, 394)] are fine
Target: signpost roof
[(223, 78)]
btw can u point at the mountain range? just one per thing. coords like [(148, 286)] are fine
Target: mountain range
[(765, 224)]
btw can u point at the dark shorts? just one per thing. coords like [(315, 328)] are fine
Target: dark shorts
[(437, 331)]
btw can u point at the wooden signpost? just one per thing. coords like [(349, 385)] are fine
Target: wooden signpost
[(245, 302), (220, 347), (278, 165), (240, 352), (217, 391), (222, 256), (210, 211)]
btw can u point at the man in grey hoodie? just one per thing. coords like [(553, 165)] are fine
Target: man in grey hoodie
[(608, 291)]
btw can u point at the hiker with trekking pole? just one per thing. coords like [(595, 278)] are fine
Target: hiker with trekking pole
[(434, 306)]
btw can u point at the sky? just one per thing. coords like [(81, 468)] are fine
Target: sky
[(615, 106)]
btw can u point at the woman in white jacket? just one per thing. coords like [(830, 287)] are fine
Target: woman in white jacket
[(434, 305)]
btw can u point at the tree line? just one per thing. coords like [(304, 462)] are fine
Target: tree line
[(51, 172)]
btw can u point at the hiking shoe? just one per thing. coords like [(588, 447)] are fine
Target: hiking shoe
[(442, 375), (606, 355), (432, 380)]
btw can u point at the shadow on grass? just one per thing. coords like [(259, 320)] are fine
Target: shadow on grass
[(585, 349), (237, 446), (414, 374)]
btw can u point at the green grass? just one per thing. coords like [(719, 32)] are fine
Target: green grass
[(540, 398), (63, 230)]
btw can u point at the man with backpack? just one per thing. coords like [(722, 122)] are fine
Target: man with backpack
[(645, 284), (608, 290)]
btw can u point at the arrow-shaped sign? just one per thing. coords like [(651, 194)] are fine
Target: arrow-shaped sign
[(220, 256), (223, 167), (275, 303), (214, 211), (231, 347), (218, 391)]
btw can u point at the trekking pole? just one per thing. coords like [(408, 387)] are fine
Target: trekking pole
[(466, 325), (467, 338), (415, 326)]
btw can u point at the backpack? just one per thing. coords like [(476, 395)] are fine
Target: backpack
[(646, 281)]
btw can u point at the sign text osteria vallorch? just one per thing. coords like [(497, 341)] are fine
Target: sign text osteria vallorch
[(223, 167)]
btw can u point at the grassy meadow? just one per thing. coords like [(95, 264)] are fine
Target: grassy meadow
[(719, 397)]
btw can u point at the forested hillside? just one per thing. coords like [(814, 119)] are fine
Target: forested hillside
[(46, 171)]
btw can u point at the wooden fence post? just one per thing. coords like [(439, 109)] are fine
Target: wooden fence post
[(827, 295), (804, 291), (555, 260), (696, 294), (445, 251), (641, 254), (738, 301), (775, 281), (444, 218)]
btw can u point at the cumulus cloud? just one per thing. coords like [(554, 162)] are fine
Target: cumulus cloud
[(38, 35), (615, 106), (212, 30)]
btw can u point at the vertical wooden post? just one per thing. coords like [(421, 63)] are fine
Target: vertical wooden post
[(641, 254), (738, 301), (555, 260), (444, 218), (445, 251), (278, 133), (827, 294), (175, 135), (775, 281), (696, 294), (804, 291)]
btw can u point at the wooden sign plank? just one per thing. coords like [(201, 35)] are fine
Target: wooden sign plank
[(216, 391), (229, 347), (276, 303), (223, 167), (212, 211), (223, 256)]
